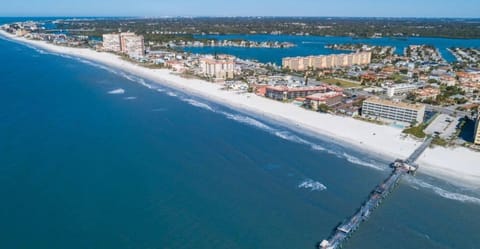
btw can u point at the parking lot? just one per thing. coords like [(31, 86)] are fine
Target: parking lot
[(444, 126)]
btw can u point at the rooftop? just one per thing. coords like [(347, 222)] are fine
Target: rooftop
[(379, 101)]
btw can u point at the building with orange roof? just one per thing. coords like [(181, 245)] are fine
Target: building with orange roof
[(285, 92), (327, 98)]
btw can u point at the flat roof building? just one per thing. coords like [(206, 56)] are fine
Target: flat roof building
[(111, 42), (326, 61), (375, 107), (218, 68), (399, 89), (132, 45), (328, 98), (128, 43), (287, 93)]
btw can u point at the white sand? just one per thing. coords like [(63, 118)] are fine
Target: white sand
[(459, 166)]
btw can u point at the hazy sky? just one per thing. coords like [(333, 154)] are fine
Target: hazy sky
[(157, 8)]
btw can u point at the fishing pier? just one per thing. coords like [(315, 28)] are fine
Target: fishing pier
[(350, 225)]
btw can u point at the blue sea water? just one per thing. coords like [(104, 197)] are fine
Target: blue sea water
[(314, 45), (93, 157)]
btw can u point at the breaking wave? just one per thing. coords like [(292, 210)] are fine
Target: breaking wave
[(172, 94), (286, 135), (130, 98), (444, 193), (248, 121), (358, 161), (117, 91), (198, 104), (312, 185)]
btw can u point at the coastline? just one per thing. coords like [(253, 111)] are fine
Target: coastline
[(456, 166)]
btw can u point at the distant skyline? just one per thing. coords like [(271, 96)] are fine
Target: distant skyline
[(155, 8)]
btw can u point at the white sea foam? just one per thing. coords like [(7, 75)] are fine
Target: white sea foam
[(358, 161), (172, 94), (38, 50), (130, 98), (442, 192), (117, 91), (286, 135), (143, 83), (247, 120), (312, 185), (198, 104)]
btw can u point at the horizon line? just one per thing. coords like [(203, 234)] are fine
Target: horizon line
[(228, 16)]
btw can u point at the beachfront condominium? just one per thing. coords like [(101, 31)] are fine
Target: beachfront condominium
[(375, 107), (111, 43), (132, 45), (477, 130), (326, 61), (219, 68), (128, 43)]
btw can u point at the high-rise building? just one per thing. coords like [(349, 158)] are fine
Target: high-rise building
[(477, 130), (132, 44), (375, 107), (218, 68), (128, 43), (326, 61), (111, 42)]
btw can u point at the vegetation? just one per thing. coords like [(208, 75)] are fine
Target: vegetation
[(439, 141), (321, 26), (373, 121), (340, 83), (324, 108), (416, 131)]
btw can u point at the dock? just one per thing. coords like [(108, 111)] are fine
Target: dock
[(399, 168)]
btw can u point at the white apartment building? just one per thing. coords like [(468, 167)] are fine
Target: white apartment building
[(399, 89), (393, 111)]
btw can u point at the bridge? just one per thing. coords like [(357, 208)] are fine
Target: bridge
[(350, 225)]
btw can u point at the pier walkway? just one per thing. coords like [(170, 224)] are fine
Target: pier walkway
[(400, 168)]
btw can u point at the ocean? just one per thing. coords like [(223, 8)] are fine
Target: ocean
[(93, 157)]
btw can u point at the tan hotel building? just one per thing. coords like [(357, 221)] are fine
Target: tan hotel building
[(375, 107), (222, 67), (326, 61)]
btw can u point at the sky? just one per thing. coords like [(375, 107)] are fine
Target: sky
[(161, 8)]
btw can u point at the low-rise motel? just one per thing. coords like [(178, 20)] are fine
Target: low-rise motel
[(326, 61), (329, 99), (477, 130), (375, 107), (284, 93)]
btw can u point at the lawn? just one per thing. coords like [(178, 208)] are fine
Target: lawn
[(341, 83)]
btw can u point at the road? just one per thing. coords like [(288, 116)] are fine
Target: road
[(451, 110)]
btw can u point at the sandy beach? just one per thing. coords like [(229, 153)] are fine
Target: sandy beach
[(458, 166)]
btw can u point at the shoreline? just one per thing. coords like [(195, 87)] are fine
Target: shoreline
[(456, 166)]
